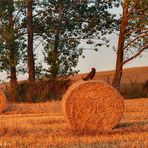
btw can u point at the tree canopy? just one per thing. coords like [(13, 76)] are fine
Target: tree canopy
[(59, 26)]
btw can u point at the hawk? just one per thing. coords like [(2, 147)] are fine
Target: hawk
[(90, 75)]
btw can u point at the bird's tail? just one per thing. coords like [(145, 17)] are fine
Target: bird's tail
[(84, 78)]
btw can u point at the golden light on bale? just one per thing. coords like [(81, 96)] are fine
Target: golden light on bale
[(92, 105), (2, 102)]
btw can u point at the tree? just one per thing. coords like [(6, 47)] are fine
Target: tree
[(62, 24), (12, 41), (133, 37), (30, 55), (60, 50)]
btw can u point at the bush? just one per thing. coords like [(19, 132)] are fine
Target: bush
[(133, 89), (38, 91)]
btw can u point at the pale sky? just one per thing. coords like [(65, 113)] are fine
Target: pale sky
[(105, 58)]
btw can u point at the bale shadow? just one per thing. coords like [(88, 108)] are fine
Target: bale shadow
[(131, 127), (131, 124)]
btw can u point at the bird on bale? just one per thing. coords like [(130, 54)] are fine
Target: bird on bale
[(90, 75)]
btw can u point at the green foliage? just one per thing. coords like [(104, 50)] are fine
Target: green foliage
[(39, 91), (59, 26), (12, 41), (63, 24)]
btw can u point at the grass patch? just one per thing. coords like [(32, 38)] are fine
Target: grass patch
[(37, 127), (133, 89), (38, 91)]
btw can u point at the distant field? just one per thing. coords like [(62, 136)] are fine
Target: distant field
[(43, 125), (138, 74)]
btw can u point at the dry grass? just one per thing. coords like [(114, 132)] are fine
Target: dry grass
[(92, 105), (2, 102), (48, 128), (34, 108)]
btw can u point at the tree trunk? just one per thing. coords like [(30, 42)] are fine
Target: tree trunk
[(54, 66), (13, 79), (12, 50), (31, 63), (120, 50), (118, 71)]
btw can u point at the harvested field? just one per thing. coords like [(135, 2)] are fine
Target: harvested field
[(33, 127)]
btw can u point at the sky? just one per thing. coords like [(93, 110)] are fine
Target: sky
[(105, 58)]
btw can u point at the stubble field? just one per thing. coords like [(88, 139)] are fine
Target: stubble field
[(43, 125)]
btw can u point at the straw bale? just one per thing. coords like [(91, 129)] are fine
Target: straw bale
[(92, 105), (2, 102)]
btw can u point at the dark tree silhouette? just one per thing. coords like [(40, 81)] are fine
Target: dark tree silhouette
[(31, 67)]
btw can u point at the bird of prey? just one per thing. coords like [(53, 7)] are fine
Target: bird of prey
[(90, 75)]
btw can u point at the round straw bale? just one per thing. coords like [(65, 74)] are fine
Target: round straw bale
[(92, 105), (2, 102)]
